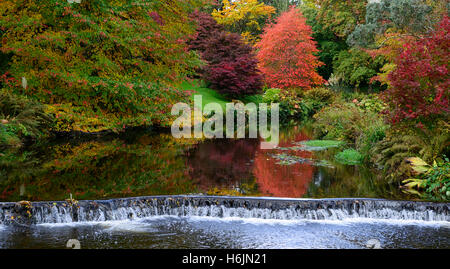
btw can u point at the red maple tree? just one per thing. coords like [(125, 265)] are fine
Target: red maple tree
[(287, 51), (420, 83)]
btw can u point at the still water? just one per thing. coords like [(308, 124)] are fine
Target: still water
[(148, 163)]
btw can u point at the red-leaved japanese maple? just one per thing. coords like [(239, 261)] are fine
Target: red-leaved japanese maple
[(420, 83), (231, 66), (287, 53)]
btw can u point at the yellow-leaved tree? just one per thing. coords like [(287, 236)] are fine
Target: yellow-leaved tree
[(246, 17)]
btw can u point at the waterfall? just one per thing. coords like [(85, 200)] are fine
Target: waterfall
[(220, 206)]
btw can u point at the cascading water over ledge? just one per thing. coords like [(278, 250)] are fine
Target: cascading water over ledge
[(26, 213)]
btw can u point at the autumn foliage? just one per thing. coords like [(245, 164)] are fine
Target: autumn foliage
[(245, 17), (98, 65), (420, 83), (287, 53), (231, 66)]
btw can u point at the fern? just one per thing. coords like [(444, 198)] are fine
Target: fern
[(21, 119)]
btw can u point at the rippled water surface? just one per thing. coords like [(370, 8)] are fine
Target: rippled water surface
[(209, 232)]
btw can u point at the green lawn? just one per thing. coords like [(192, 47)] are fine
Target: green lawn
[(211, 96), (208, 95)]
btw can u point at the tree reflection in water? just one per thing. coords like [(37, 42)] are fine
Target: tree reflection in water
[(145, 163)]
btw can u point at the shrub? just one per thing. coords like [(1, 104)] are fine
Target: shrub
[(286, 53), (298, 104), (320, 94), (316, 98), (272, 95), (291, 105), (349, 156), (372, 103), (344, 121), (231, 67), (349, 123)]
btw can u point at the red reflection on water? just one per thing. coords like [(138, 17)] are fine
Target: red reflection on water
[(224, 163), (283, 180)]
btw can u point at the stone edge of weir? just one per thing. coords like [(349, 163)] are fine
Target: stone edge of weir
[(24, 212)]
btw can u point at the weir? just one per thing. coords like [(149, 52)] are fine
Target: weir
[(25, 213)]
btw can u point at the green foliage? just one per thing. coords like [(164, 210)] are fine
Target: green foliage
[(271, 95), (328, 43), (292, 106), (320, 95), (433, 182), (390, 154), (99, 65), (372, 102), (20, 119), (256, 99), (369, 138), (349, 156), (345, 122), (355, 67), (352, 123), (339, 17)]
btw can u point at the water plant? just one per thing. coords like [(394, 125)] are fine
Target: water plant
[(322, 143), (349, 156), (286, 159)]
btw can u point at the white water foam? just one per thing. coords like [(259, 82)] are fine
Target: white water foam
[(58, 215), (144, 224), (366, 211)]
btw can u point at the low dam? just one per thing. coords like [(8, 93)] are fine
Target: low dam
[(198, 221), (242, 207)]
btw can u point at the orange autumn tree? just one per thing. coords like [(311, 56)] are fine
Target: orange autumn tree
[(287, 53)]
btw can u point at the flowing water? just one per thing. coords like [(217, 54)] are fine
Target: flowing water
[(146, 163)]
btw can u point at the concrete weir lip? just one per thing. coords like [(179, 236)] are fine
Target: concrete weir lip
[(183, 205)]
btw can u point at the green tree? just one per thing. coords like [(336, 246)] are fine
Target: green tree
[(98, 65), (340, 17), (328, 43), (356, 67)]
